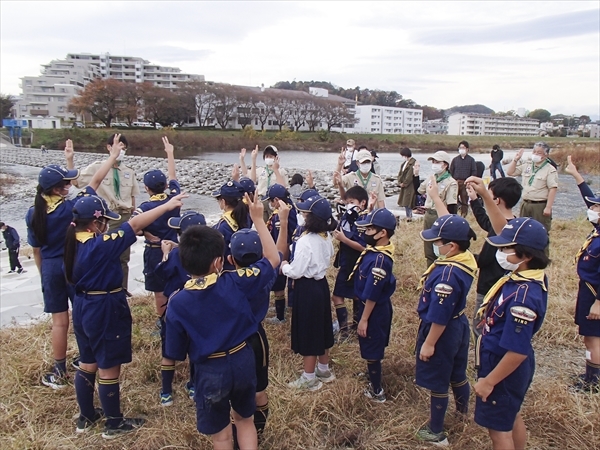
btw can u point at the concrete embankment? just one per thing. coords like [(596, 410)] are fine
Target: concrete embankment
[(195, 176)]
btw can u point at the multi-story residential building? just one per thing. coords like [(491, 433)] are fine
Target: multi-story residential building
[(436, 126), (468, 124), (375, 119), (49, 94)]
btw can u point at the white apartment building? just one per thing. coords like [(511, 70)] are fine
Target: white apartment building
[(49, 93), (375, 119), (436, 126), (468, 124)]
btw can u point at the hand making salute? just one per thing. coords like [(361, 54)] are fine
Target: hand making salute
[(47, 223), (587, 310), (101, 315), (362, 177)]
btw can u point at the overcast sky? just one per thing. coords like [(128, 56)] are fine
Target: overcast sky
[(504, 55)]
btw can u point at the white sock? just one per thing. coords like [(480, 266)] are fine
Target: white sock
[(309, 376), (323, 367)]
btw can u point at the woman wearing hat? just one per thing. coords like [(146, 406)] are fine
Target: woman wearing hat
[(47, 223), (587, 311), (270, 174)]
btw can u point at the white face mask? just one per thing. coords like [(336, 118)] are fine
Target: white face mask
[(502, 259), (436, 251), (593, 216), (121, 155), (365, 168), (536, 158), (437, 168), (269, 161), (462, 151)]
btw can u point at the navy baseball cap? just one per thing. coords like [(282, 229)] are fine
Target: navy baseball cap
[(381, 217), (93, 207), (307, 194), (248, 185), (53, 174), (245, 242), (595, 200), (187, 219), (276, 191), (154, 179), (317, 205), (450, 227), (231, 189), (523, 231)]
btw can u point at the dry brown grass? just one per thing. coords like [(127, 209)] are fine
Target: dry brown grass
[(585, 156), (6, 183), (336, 417)]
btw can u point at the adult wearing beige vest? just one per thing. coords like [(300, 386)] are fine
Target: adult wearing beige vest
[(447, 191), (119, 188), (539, 181), (266, 177), (363, 177)]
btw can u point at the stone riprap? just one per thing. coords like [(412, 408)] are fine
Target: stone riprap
[(195, 176)]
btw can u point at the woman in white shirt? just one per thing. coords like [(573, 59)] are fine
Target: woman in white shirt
[(312, 330)]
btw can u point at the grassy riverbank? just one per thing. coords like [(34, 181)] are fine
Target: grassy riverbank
[(336, 417)]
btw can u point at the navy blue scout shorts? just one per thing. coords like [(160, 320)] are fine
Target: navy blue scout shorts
[(500, 409), (585, 300), (55, 290), (260, 346), (449, 361), (373, 346), (343, 288), (222, 384), (280, 283), (152, 258), (102, 325)]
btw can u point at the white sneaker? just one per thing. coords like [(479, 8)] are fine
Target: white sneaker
[(304, 384), (274, 321), (327, 376)]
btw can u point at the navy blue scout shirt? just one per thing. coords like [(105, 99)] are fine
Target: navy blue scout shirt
[(588, 258), (373, 279), (160, 227), (172, 272), (60, 215), (515, 313), (214, 313), (445, 291), (227, 226), (347, 255), (273, 225), (97, 265)]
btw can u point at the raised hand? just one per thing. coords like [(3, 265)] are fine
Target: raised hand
[(276, 164), (432, 187), (310, 181), (342, 157), (283, 209), (476, 184), (69, 151), (337, 178), (177, 201), (235, 173), (117, 146), (254, 153), (242, 154), (571, 168), (471, 192), (169, 149), (256, 207), (519, 154)]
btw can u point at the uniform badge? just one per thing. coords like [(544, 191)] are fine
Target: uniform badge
[(374, 184), (523, 315), (113, 236), (528, 170), (127, 175), (443, 289), (121, 233), (378, 272)]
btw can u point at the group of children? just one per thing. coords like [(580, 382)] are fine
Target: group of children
[(212, 288)]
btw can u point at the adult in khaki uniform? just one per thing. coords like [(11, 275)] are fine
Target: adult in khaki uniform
[(271, 174), (539, 181), (119, 188), (363, 177), (407, 195), (448, 192)]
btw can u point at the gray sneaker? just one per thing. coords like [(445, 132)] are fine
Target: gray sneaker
[(378, 397), (84, 424), (304, 384), (127, 425), (275, 321), (438, 439), (327, 376)]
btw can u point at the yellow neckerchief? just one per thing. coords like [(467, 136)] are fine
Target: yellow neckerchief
[(385, 249), (198, 284), (158, 197), (84, 236), (526, 275), (52, 202), (464, 261), (230, 221), (586, 244)]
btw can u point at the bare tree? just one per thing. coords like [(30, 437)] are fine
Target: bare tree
[(247, 108), (283, 109), (204, 98), (299, 112), (226, 101), (132, 98), (265, 105), (336, 114), (315, 112)]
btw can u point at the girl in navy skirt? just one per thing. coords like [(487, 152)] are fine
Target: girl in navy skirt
[(312, 330)]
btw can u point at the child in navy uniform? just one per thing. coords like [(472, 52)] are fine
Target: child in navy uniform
[(374, 285), (587, 310), (312, 330), (171, 270), (101, 315), (155, 182), (235, 214), (275, 193), (513, 311), (443, 336), (47, 224), (352, 244), (214, 313)]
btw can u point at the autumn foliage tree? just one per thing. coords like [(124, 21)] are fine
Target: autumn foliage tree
[(102, 99)]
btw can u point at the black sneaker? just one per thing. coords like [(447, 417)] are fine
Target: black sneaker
[(127, 425), (585, 387), (84, 424), (21, 270)]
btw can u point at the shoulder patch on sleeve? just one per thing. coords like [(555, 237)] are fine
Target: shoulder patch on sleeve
[(443, 289), (523, 313), (378, 272)]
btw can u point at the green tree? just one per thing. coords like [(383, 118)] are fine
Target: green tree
[(7, 101), (542, 115)]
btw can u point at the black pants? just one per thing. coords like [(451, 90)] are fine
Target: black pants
[(13, 257)]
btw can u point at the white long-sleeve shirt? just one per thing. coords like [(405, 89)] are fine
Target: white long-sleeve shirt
[(312, 257)]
